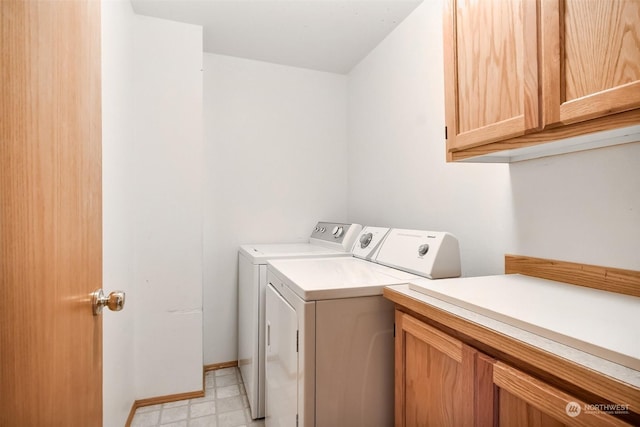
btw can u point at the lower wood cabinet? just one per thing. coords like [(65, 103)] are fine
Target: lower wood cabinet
[(522, 400), (434, 376), (440, 381)]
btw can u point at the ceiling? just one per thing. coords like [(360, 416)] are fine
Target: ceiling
[(325, 35)]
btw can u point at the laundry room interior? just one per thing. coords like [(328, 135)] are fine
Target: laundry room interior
[(207, 150)]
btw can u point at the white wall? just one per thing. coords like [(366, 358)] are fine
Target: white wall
[(167, 180), (266, 127), (581, 207), (397, 171), (152, 207), (117, 226)]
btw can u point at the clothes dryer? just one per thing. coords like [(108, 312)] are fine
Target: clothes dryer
[(330, 332)]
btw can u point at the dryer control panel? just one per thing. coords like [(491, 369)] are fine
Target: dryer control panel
[(368, 242), (432, 254)]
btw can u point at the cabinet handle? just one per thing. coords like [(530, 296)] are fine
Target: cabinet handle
[(268, 334)]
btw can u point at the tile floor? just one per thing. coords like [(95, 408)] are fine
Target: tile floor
[(224, 404)]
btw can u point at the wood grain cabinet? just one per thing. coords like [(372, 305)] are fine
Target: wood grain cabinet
[(525, 72), (521, 400), (440, 382), (434, 376)]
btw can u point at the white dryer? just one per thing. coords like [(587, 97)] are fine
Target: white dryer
[(327, 240), (330, 331)]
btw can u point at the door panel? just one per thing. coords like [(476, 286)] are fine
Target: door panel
[(489, 63), (491, 78), (527, 401), (514, 411), (595, 30), (50, 213), (434, 384), (595, 58)]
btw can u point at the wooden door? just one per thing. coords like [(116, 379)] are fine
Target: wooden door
[(522, 400), (591, 51), (50, 213), (491, 71), (434, 376)]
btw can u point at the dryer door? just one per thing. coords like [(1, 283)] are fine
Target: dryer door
[(282, 361)]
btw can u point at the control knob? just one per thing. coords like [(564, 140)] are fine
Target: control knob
[(337, 232), (365, 239), (423, 249)]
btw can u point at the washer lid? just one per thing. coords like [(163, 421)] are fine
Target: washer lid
[(260, 254)]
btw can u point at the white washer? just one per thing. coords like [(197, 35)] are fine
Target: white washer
[(330, 332), (327, 240)]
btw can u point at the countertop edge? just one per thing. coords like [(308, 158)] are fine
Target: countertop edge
[(593, 374)]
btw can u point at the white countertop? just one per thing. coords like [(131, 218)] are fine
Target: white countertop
[(590, 361), (329, 278), (604, 324)]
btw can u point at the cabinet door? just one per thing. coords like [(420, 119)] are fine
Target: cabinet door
[(434, 376), (590, 58), (525, 401), (491, 71)]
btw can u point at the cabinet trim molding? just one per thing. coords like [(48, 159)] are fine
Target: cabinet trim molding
[(436, 338), (592, 134), (547, 398), (591, 276)]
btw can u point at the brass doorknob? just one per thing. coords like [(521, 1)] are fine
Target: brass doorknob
[(114, 301)]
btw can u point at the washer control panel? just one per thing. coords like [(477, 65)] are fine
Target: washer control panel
[(336, 234)]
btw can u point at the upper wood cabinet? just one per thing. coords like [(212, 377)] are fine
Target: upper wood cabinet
[(490, 71), (590, 58), (524, 72)]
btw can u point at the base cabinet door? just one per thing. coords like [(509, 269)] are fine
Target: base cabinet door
[(442, 382), (522, 400), (433, 376)]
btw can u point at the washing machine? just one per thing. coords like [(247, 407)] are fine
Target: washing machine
[(329, 337), (327, 239)]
